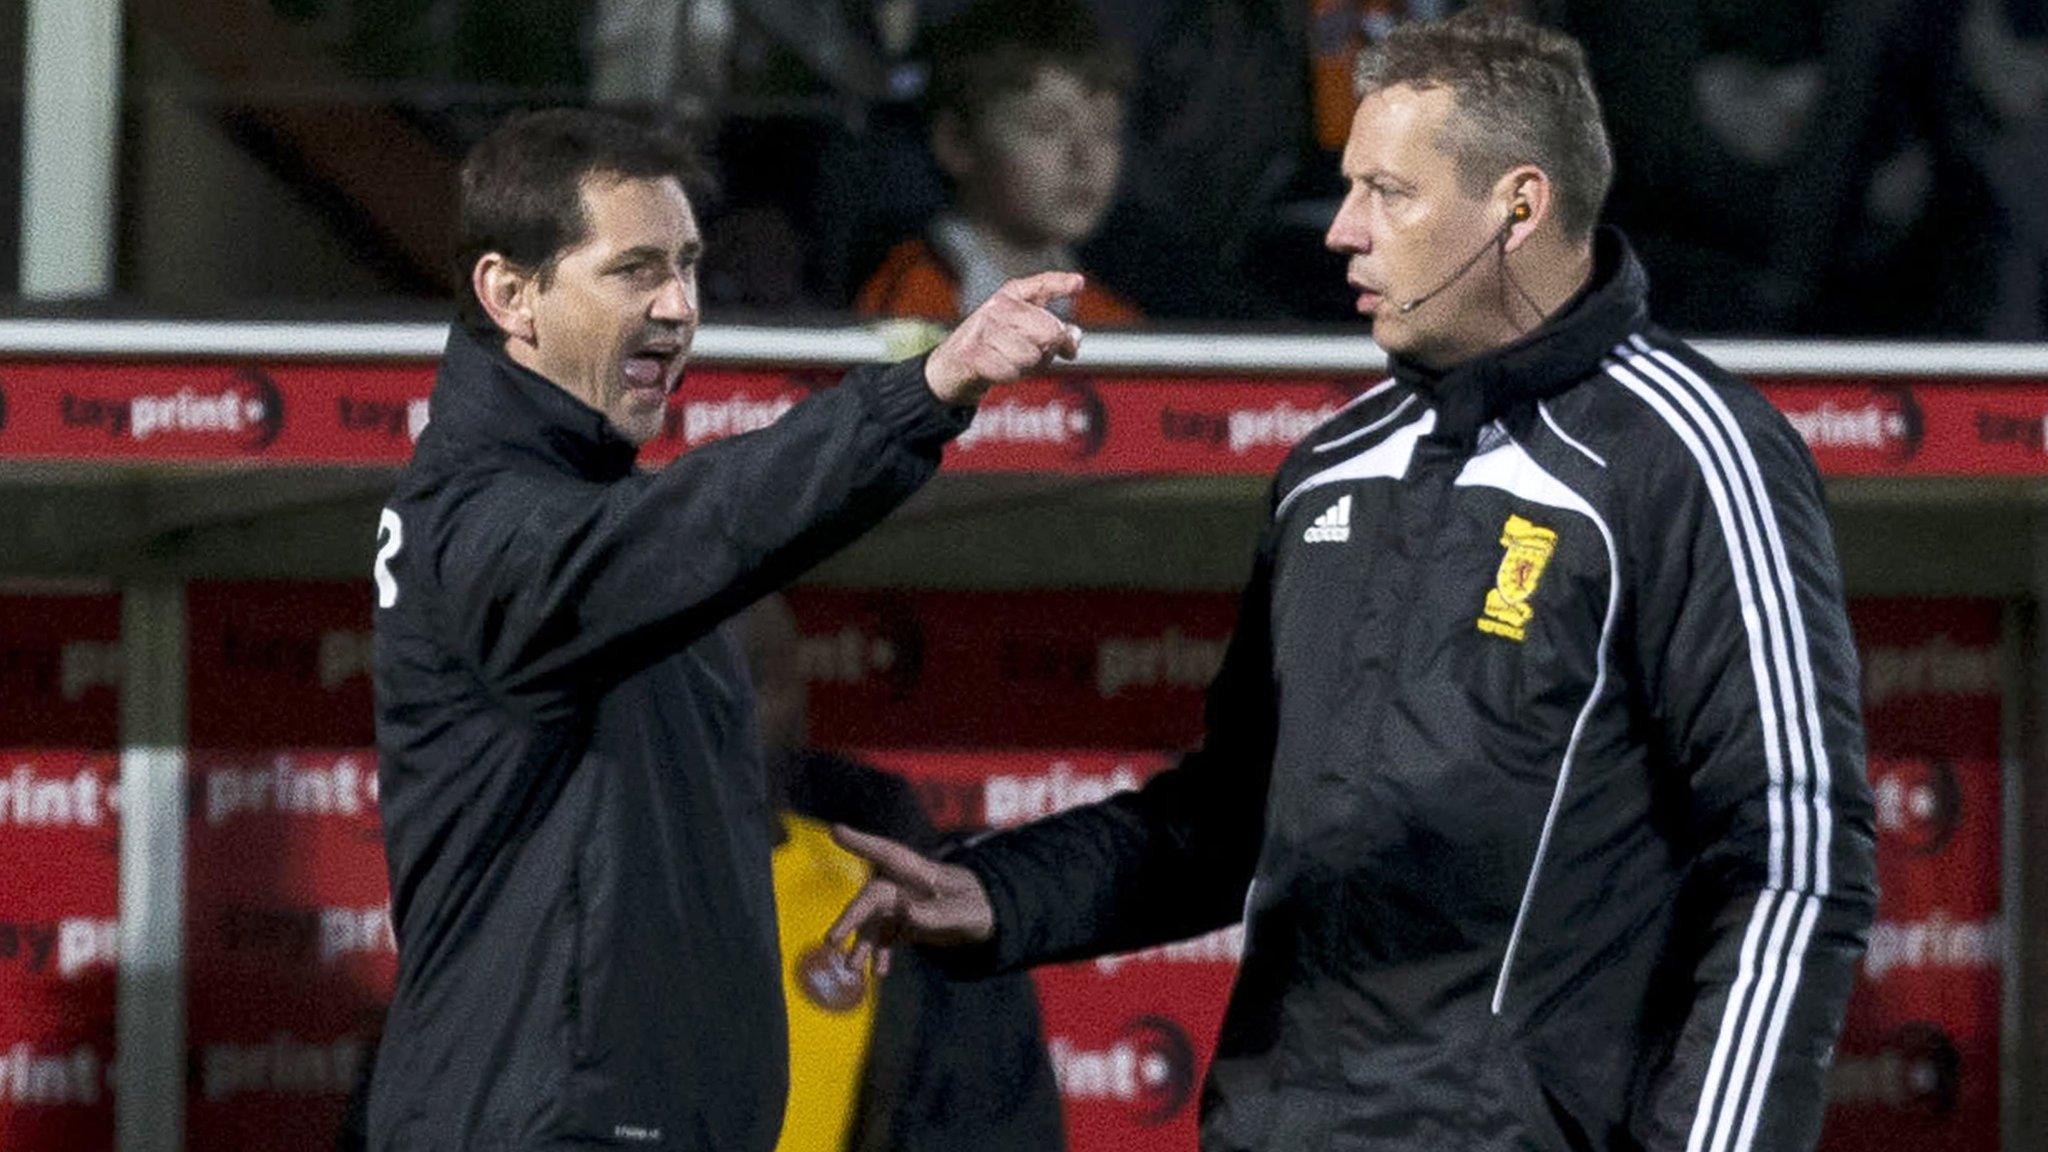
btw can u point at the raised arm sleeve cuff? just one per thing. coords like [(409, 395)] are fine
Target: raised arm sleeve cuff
[(903, 402)]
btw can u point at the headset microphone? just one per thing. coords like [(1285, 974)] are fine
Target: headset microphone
[(1500, 237)]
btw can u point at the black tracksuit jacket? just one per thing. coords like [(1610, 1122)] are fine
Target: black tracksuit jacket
[(1535, 765), (575, 817)]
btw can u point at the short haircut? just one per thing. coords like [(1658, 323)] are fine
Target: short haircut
[(1522, 96), (522, 189), (996, 47)]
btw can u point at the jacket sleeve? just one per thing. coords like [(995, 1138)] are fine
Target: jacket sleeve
[(1168, 861), (545, 583), (1750, 675)]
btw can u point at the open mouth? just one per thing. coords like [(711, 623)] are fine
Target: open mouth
[(657, 366)]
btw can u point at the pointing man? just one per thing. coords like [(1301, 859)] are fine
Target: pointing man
[(574, 811)]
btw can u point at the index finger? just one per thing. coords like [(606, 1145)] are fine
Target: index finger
[(868, 904), (1045, 287), (893, 860)]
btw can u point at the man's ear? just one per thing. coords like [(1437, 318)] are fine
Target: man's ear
[(506, 292), (1528, 189)]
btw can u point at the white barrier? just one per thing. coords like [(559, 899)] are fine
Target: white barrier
[(1260, 353)]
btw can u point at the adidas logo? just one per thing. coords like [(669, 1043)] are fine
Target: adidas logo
[(1333, 526)]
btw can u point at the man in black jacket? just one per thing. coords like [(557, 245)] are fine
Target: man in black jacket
[(1535, 765), (574, 811)]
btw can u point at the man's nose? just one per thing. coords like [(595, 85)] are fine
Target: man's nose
[(1348, 232), (676, 303)]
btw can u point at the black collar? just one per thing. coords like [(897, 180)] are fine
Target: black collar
[(1566, 349), (482, 396)]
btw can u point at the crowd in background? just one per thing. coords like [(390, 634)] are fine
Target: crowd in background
[(1786, 166)]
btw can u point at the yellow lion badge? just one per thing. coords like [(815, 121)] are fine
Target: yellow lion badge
[(1529, 547)]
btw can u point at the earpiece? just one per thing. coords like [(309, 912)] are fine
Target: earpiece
[(1520, 211)]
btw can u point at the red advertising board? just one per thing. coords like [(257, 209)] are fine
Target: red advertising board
[(60, 674), (59, 946), (1079, 425), (290, 957), (277, 664), (60, 669), (289, 953), (1907, 427), (1082, 668), (228, 411), (1918, 1064), (1074, 424)]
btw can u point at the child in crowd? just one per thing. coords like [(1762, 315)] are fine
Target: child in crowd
[(1026, 116)]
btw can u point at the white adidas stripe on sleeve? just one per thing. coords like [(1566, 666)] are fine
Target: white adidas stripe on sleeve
[(1732, 1098)]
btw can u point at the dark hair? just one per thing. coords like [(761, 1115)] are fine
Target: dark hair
[(1522, 96), (522, 189), (996, 47)]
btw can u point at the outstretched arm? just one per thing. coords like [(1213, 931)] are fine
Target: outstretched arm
[(1168, 861)]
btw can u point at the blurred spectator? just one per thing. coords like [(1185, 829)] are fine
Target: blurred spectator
[(1888, 187), (494, 44), (1337, 31), (1227, 199), (672, 55), (1026, 119), (1707, 103), (700, 59), (920, 1064), (2005, 50), (1779, 158), (1219, 130), (783, 93)]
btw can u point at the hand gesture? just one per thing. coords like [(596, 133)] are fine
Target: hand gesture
[(1012, 335), (909, 899)]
